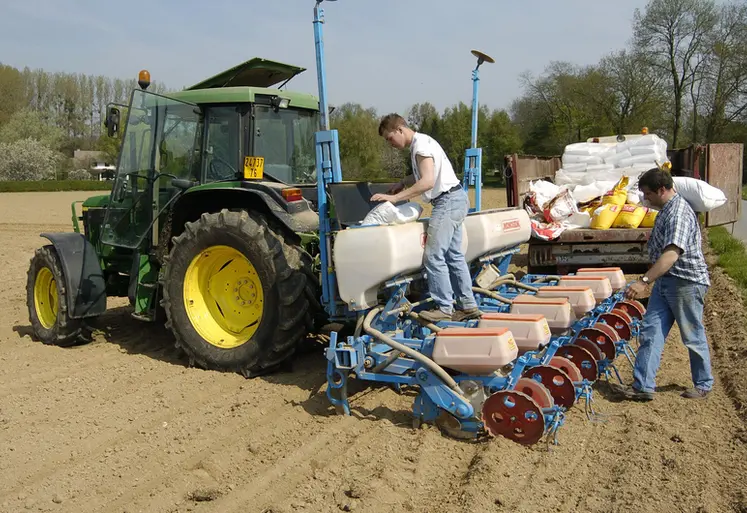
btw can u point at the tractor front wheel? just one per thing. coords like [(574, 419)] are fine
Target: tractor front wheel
[(46, 300), (234, 293)]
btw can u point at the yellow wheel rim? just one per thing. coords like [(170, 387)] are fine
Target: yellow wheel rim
[(223, 296), (45, 297)]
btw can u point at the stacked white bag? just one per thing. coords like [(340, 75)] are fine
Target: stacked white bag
[(586, 163)]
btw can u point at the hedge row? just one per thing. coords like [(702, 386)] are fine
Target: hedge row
[(55, 185)]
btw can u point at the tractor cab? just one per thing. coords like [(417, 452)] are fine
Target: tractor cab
[(226, 131)]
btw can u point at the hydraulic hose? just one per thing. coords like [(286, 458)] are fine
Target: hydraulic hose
[(515, 283), (492, 294), (433, 366), (547, 278), (358, 326), (396, 354)]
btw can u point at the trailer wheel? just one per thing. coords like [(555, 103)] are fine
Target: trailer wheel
[(235, 293), (46, 300)]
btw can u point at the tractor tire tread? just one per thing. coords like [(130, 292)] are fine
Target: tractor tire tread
[(288, 277), (66, 332)]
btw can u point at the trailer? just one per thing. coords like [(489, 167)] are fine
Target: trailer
[(718, 164)]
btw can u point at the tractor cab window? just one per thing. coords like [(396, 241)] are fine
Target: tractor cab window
[(222, 143), (285, 138), (158, 144)]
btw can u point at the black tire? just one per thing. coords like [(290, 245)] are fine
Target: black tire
[(285, 317), (64, 332)]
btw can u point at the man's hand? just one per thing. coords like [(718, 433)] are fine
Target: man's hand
[(382, 197), (635, 290)]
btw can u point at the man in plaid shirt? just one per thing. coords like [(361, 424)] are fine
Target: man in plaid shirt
[(680, 278)]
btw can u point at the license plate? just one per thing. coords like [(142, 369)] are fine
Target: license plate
[(254, 168)]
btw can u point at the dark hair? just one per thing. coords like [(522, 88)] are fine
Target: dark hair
[(391, 122), (654, 179)]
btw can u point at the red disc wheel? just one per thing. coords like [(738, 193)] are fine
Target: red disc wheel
[(618, 322), (567, 366), (590, 346), (633, 308), (582, 359), (604, 336), (514, 415), (622, 313), (536, 391), (556, 381)]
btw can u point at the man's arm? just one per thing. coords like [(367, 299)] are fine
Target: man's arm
[(426, 182), (665, 262), (405, 182), (427, 179)]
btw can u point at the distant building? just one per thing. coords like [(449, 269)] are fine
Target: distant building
[(96, 164)]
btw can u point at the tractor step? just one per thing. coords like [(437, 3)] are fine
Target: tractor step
[(142, 317)]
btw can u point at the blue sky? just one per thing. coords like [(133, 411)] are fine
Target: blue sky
[(385, 54)]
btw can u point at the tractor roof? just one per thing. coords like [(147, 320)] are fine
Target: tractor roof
[(244, 81), (243, 95), (255, 72)]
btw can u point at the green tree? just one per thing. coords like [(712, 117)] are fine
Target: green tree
[(360, 145), (30, 124)]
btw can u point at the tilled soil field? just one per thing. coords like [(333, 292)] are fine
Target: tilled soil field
[(123, 425)]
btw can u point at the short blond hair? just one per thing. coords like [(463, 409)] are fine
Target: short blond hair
[(391, 122)]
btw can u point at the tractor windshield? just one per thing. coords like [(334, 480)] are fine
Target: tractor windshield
[(157, 145), (285, 138)]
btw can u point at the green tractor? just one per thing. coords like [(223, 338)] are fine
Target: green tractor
[(211, 225)]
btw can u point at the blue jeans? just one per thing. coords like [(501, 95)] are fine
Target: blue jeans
[(673, 299), (446, 268)]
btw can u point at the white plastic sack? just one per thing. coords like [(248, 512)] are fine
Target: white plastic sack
[(702, 196), (649, 160), (616, 157), (544, 191), (585, 148), (646, 140), (635, 197), (387, 213), (568, 158), (568, 178), (606, 175), (575, 168), (560, 207), (578, 220), (584, 193)]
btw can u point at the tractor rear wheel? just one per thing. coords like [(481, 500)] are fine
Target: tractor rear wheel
[(46, 300), (234, 293)]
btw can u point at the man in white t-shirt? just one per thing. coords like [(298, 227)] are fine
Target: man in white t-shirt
[(434, 179)]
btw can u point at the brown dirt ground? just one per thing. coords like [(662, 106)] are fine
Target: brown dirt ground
[(122, 425)]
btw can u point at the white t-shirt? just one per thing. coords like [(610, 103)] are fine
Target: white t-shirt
[(443, 173)]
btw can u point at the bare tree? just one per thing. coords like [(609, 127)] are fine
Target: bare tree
[(674, 33)]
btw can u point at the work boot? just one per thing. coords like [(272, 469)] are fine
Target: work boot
[(695, 393), (467, 314), (634, 394), (434, 315)]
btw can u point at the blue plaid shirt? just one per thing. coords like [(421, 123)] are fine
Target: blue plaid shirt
[(677, 224)]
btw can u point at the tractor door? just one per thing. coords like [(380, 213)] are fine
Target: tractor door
[(158, 145)]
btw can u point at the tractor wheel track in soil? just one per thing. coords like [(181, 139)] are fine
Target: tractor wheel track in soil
[(274, 443), (187, 410), (278, 440), (102, 355)]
